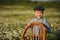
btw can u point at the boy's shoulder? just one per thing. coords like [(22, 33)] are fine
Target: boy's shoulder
[(34, 19), (44, 19)]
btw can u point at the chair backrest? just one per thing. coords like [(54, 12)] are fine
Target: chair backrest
[(40, 36)]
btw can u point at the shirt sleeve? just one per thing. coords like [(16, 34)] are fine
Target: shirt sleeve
[(48, 30)]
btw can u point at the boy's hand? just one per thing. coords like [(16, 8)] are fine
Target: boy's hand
[(29, 24)]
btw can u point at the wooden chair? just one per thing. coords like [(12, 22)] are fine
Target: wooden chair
[(40, 36)]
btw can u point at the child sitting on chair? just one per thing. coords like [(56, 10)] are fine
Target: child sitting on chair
[(38, 12)]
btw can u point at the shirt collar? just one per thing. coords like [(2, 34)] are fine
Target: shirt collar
[(39, 18)]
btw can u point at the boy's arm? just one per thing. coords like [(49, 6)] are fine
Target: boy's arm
[(47, 26)]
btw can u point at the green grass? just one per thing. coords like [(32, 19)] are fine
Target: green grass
[(14, 18)]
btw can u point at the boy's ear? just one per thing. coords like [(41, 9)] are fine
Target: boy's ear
[(42, 12)]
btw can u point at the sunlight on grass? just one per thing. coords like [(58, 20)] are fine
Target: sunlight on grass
[(14, 19)]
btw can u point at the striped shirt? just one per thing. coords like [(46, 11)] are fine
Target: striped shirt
[(37, 29)]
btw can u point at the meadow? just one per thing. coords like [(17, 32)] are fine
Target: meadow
[(13, 19)]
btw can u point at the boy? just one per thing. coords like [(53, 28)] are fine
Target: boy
[(38, 12)]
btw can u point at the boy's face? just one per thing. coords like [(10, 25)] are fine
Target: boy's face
[(38, 13)]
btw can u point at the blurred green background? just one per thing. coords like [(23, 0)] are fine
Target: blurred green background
[(15, 14)]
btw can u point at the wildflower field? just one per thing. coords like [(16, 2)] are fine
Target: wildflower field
[(13, 19)]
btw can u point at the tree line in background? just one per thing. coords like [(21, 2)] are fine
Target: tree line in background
[(53, 4)]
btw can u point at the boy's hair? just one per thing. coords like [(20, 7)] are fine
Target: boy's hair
[(39, 8)]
